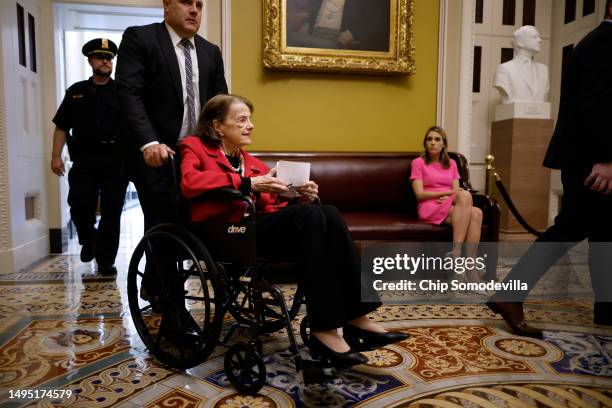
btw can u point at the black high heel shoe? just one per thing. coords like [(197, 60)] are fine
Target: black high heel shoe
[(364, 340), (336, 359)]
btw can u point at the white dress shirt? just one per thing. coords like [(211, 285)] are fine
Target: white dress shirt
[(180, 56)]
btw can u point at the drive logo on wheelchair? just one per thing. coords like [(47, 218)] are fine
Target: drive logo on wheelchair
[(233, 229)]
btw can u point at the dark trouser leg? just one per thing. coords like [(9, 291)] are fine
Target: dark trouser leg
[(569, 228), (157, 203), (83, 200), (302, 233), (112, 195), (600, 254), (347, 265), (158, 206)]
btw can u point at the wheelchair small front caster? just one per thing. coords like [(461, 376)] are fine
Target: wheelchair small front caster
[(305, 330), (245, 368)]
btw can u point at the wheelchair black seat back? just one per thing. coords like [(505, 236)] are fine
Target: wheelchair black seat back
[(184, 277), (229, 242)]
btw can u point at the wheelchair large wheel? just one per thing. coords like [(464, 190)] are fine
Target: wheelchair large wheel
[(175, 296), (272, 318), (245, 368), (273, 321)]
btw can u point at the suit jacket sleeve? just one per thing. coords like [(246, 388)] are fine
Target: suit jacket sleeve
[(131, 82), (594, 91)]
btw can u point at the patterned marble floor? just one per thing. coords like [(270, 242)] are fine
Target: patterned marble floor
[(62, 327)]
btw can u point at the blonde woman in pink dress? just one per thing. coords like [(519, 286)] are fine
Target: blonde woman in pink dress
[(435, 181)]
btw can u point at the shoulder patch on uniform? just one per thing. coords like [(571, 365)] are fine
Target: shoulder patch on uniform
[(77, 96)]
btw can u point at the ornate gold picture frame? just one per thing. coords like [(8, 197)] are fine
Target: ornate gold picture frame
[(362, 36)]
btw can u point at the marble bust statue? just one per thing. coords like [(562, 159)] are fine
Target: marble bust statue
[(522, 79)]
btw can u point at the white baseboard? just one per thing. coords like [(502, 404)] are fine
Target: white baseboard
[(18, 258)]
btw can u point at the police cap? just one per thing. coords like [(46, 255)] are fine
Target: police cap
[(102, 46)]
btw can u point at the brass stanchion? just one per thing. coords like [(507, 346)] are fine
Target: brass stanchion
[(493, 180), (491, 176)]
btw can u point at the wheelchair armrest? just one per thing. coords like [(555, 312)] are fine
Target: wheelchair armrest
[(224, 194), (219, 194)]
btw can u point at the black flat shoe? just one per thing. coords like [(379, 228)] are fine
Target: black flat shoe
[(338, 360), (88, 251), (364, 340), (512, 313), (107, 270)]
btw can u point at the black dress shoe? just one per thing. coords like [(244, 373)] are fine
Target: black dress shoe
[(364, 340), (336, 359), (88, 251), (512, 313), (107, 270), (149, 295), (602, 312)]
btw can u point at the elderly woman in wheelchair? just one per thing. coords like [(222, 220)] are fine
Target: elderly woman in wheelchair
[(312, 236)]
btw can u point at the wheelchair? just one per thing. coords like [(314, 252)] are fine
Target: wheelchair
[(184, 279)]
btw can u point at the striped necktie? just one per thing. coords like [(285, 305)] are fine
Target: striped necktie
[(191, 118)]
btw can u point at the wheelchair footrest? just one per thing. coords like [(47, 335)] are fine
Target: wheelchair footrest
[(314, 372)]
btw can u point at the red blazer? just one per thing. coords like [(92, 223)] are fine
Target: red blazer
[(205, 168)]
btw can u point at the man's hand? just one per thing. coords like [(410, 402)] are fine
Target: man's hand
[(268, 183), (156, 155), (57, 165), (309, 191), (600, 179)]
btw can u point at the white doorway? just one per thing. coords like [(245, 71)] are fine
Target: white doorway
[(75, 24)]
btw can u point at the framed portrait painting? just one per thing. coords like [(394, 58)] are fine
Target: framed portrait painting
[(365, 36)]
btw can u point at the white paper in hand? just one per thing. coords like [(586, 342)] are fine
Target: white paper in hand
[(295, 173)]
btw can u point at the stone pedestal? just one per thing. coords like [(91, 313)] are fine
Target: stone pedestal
[(522, 110), (519, 146)]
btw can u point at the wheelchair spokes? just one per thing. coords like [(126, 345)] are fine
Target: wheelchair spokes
[(178, 297), (172, 280), (245, 368)]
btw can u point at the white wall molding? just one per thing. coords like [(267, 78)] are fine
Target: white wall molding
[(226, 40), (466, 78), (5, 210), (442, 65)]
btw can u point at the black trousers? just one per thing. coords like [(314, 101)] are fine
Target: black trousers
[(584, 214), (317, 240), (159, 204), (90, 178)]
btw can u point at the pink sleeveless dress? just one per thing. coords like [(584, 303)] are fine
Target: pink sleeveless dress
[(435, 178)]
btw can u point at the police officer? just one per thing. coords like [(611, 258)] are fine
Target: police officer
[(88, 122)]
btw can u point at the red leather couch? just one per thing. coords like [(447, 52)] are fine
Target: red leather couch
[(373, 193)]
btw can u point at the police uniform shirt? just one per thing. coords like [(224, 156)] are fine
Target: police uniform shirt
[(89, 113)]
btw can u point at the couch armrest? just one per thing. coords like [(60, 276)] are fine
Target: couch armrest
[(491, 214)]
